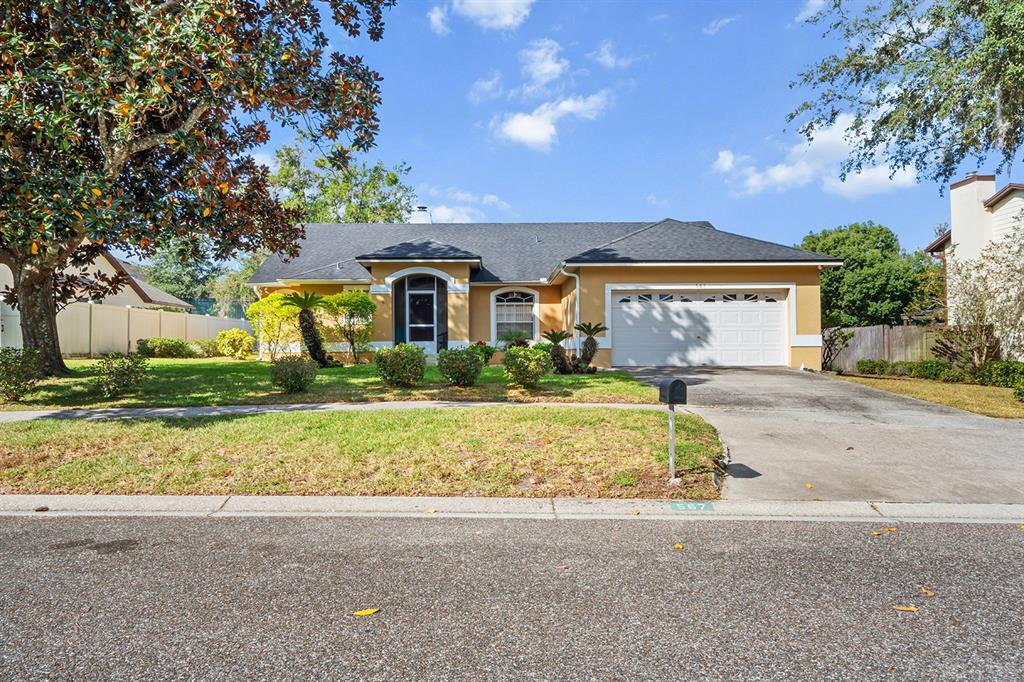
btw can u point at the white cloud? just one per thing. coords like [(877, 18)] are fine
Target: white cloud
[(486, 88), (494, 14), (540, 61), (606, 57), (810, 8), (810, 162), (657, 202), (496, 201), (455, 214), (537, 129), (718, 24), (438, 18)]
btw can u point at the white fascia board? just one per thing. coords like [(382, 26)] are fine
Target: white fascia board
[(706, 264), (509, 283), (412, 261), (289, 282)]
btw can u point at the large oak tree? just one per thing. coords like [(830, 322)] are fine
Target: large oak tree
[(130, 124)]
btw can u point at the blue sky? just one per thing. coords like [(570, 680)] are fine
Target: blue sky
[(521, 110)]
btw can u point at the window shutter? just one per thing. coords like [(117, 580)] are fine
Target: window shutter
[(398, 310), (441, 318)]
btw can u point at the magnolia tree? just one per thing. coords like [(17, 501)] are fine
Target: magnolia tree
[(986, 303), (129, 124)]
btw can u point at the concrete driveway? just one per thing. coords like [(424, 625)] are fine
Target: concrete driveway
[(796, 435)]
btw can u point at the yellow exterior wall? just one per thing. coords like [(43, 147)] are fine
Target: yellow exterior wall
[(551, 304), (458, 303), (806, 279)]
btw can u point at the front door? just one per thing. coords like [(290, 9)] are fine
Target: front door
[(422, 329)]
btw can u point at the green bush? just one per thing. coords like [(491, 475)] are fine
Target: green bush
[(525, 366), (515, 338), (235, 343), (294, 373), (873, 366), (164, 348), (901, 368), (1018, 391), (205, 348), (1005, 373), (402, 365), (19, 372), (460, 366), (929, 369), (117, 373), (485, 350), (953, 375)]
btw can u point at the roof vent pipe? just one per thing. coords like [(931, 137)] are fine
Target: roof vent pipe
[(420, 215)]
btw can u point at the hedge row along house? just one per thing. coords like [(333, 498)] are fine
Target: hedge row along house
[(669, 292)]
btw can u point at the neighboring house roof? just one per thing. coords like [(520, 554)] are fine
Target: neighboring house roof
[(1003, 193), (420, 250), (522, 252), (940, 244), (146, 291)]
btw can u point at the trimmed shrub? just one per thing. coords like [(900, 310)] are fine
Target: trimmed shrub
[(117, 373), (515, 339), (485, 350), (525, 366), (1018, 391), (1005, 373), (460, 366), (294, 373), (164, 348), (402, 365), (205, 348), (19, 372), (929, 369), (901, 368), (235, 343), (953, 375), (873, 366)]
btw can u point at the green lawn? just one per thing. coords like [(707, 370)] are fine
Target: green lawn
[(992, 401), (517, 452), (219, 381)]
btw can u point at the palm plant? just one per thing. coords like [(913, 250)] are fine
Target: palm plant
[(589, 350), (558, 356), (307, 302)]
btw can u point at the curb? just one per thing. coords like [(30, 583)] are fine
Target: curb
[(552, 509)]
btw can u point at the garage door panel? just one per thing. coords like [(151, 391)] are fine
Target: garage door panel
[(698, 328)]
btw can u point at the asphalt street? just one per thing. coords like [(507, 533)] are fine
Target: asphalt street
[(261, 598)]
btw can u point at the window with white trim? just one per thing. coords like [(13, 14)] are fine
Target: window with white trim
[(513, 312)]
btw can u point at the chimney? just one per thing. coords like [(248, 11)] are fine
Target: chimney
[(969, 220), (420, 214)]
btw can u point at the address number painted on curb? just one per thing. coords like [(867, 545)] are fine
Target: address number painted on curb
[(692, 506)]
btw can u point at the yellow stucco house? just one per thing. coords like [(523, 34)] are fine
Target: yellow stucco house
[(669, 292)]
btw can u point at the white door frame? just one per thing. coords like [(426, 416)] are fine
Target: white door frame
[(429, 347)]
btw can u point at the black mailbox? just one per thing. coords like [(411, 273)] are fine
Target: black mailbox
[(672, 391)]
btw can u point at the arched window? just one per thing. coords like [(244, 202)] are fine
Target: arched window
[(514, 311)]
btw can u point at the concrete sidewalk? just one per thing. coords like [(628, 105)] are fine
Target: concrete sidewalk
[(246, 410), (509, 508)]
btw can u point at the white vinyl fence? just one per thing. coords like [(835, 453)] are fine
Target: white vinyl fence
[(96, 328)]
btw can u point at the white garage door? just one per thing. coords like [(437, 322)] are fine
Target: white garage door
[(683, 328)]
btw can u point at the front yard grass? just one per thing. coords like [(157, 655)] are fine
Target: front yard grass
[(495, 451), (220, 381), (992, 401)]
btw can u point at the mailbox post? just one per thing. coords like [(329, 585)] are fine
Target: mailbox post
[(672, 392)]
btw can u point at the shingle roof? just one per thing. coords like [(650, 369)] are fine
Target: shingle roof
[(521, 252), (146, 291), (421, 249)]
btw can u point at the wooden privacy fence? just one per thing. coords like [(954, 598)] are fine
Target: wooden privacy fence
[(96, 328), (881, 342)]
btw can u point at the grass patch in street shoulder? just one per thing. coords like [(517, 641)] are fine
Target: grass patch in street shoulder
[(499, 452), (220, 381), (992, 401)]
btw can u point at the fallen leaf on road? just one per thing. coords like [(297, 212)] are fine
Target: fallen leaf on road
[(926, 592), (430, 511), (1022, 526), (906, 609), (808, 485), (364, 612), (636, 512), (562, 567), (889, 530), (849, 448), (876, 533), (678, 546)]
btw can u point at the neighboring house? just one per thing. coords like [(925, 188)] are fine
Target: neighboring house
[(670, 292), (978, 215), (137, 293)]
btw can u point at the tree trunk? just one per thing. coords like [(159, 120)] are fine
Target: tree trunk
[(38, 313)]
